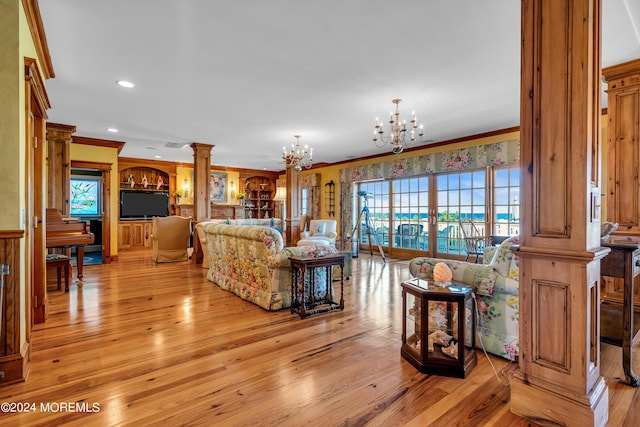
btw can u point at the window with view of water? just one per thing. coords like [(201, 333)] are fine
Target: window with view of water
[(377, 203), (506, 201), (410, 224), (460, 195), (399, 209)]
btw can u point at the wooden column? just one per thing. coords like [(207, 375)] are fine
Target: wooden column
[(59, 166), (201, 171), (293, 208), (623, 114), (14, 358), (559, 380)]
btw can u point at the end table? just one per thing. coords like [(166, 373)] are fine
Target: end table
[(304, 299), (438, 327)]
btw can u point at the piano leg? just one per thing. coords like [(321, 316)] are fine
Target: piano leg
[(80, 260)]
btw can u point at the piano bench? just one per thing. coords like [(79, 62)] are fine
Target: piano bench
[(60, 262)]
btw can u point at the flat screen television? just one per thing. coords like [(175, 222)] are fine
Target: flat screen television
[(143, 204)]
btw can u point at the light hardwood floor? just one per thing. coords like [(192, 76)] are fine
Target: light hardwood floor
[(160, 345)]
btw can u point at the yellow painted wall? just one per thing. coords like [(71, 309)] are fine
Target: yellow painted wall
[(16, 43), (183, 173), (91, 153)]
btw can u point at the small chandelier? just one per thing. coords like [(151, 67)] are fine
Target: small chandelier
[(297, 157), (396, 134)]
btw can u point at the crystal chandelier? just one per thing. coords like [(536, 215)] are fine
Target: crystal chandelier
[(297, 157), (396, 134)]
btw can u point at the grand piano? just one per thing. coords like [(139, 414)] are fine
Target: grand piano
[(67, 233)]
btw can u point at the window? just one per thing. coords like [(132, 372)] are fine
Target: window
[(377, 204), (402, 211), (460, 195), (411, 213), (506, 201), (304, 200)]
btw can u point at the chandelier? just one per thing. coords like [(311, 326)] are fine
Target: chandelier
[(297, 157), (396, 134)]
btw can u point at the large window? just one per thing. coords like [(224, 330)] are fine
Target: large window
[(411, 213), (460, 195), (506, 201), (374, 209), (423, 213)]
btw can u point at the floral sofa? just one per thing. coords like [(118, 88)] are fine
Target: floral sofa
[(201, 242), (250, 261), (497, 295)]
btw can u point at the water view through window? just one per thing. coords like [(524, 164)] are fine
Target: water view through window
[(414, 213)]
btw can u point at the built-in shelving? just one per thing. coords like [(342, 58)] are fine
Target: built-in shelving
[(259, 192)]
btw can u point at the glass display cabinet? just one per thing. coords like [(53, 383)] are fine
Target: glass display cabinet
[(437, 327)]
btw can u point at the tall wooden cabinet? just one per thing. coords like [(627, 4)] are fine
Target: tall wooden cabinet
[(623, 111), (623, 165), (259, 192)]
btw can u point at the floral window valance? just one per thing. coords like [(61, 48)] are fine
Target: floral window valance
[(500, 153)]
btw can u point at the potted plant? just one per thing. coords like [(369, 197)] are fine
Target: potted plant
[(177, 194), (240, 198)]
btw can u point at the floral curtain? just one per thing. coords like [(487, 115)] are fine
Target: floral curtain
[(500, 153)]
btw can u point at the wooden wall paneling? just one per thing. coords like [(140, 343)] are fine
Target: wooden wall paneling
[(623, 115), (13, 357), (559, 380)]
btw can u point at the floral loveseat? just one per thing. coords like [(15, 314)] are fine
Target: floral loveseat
[(497, 295), (250, 261)]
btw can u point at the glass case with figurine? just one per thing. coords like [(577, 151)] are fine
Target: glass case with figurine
[(437, 327)]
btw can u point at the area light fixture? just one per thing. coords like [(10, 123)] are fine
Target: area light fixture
[(396, 133), (297, 157), (125, 83)]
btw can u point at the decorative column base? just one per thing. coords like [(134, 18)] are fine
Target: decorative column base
[(548, 405)]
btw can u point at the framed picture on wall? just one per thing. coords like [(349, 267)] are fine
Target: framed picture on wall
[(218, 187)]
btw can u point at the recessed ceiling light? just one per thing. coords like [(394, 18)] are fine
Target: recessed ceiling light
[(125, 83), (113, 130), (157, 157)]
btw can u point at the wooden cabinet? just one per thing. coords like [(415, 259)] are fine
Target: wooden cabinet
[(134, 234), (144, 179), (227, 211), (623, 140), (623, 111), (259, 192)]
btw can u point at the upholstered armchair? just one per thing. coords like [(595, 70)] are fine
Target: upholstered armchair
[(170, 236), (321, 231)]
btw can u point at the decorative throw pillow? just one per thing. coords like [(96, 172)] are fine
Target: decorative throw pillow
[(319, 229)]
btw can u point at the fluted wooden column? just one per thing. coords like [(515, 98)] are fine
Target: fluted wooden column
[(559, 380), (201, 171)]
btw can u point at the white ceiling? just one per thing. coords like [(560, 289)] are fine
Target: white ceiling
[(246, 75)]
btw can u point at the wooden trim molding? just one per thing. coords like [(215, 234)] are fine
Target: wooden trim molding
[(97, 142), (32, 76), (13, 358), (34, 20)]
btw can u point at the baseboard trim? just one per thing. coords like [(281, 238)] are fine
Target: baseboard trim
[(14, 368)]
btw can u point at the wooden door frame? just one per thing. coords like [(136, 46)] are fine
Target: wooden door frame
[(106, 202), (36, 104)]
